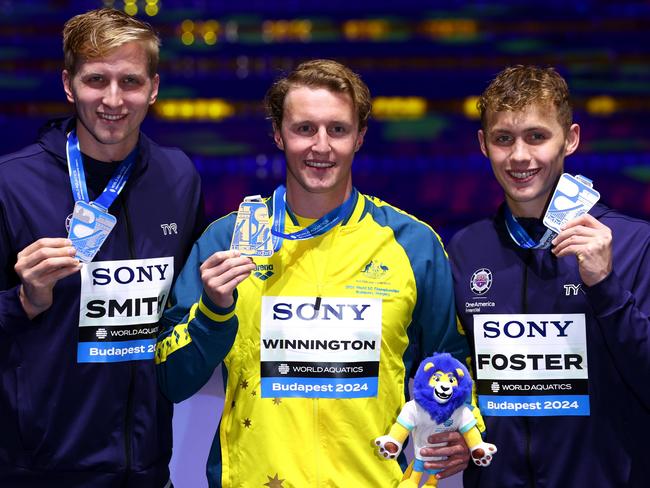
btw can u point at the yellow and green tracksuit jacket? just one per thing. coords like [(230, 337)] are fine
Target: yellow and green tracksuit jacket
[(379, 254)]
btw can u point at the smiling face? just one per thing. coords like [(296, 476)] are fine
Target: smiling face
[(526, 150), (112, 96), (443, 386), (319, 136)]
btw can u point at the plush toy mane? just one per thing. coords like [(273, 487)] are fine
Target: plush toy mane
[(423, 393)]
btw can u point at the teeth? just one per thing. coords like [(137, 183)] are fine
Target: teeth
[(523, 174), (111, 117), (318, 164)]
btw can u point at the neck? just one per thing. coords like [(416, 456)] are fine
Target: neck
[(533, 210), (107, 153), (315, 205)]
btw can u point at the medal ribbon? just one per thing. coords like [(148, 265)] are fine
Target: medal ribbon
[(321, 226), (78, 176), (521, 237)]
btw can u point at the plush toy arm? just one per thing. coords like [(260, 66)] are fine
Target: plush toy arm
[(481, 452), (390, 445)]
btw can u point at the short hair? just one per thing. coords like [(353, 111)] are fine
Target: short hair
[(319, 73), (518, 87), (94, 34)]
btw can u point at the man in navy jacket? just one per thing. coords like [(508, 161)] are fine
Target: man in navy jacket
[(79, 403), (558, 323)]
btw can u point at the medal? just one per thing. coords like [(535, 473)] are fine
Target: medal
[(252, 234), (89, 228), (573, 197)]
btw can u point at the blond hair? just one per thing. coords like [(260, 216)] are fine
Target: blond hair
[(94, 34), (320, 73), (518, 87)]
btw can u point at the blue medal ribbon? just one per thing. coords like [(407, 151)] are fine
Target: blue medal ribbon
[(320, 227), (78, 175), (521, 237)]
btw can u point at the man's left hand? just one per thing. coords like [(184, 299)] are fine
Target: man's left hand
[(591, 242), (455, 450)]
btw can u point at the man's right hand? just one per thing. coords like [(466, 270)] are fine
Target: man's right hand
[(39, 266), (222, 272)]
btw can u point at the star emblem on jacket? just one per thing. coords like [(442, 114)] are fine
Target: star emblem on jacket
[(274, 482)]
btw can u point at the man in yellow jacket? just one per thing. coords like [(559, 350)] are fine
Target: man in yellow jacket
[(318, 340)]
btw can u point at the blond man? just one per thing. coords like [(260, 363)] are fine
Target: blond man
[(86, 264)]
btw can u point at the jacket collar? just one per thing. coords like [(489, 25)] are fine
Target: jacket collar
[(355, 216), (53, 136)]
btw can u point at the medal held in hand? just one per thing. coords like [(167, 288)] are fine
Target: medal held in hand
[(252, 234), (89, 228), (573, 197)]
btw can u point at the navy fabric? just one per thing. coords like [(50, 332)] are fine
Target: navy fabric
[(84, 424), (605, 449)]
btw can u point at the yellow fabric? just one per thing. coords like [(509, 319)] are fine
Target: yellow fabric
[(336, 446), (472, 437), (399, 432), (177, 339), (214, 316)]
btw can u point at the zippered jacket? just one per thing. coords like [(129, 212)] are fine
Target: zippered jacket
[(590, 423), (74, 412), (328, 332)]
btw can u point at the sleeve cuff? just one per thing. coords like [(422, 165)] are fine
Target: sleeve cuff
[(213, 312), (607, 296), (405, 424), (467, 427)]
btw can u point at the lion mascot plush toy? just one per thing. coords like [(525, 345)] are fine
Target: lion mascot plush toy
[(441, 388)]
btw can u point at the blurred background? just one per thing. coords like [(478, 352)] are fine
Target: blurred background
[(425, 63)]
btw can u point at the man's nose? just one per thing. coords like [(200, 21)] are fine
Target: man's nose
[(321, 141), (112, 95)]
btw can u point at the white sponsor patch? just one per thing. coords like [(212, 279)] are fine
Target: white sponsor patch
[(531, 346), (127, 292)]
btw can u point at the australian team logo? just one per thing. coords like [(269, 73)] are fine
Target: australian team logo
[(375, 270), (481, 281)]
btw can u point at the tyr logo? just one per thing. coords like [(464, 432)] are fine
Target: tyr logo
[(169, 229), (571, 290)]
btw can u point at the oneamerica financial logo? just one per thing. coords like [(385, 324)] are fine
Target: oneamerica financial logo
[(263, 271), (481, 281)]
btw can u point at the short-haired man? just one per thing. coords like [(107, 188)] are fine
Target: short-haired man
[(559, 323), (79, 401), (330, 327)]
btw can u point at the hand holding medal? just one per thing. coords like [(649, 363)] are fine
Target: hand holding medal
[(579, 233), (40, 266), (222, 272), (591, 243)]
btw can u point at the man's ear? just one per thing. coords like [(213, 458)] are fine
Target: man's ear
[(481, 141), (277, 137), (360, 137), (66, 78), (155, 83), (572, 139)]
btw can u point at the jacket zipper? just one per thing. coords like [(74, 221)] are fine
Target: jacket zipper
[(128, 420), (524, 307)]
